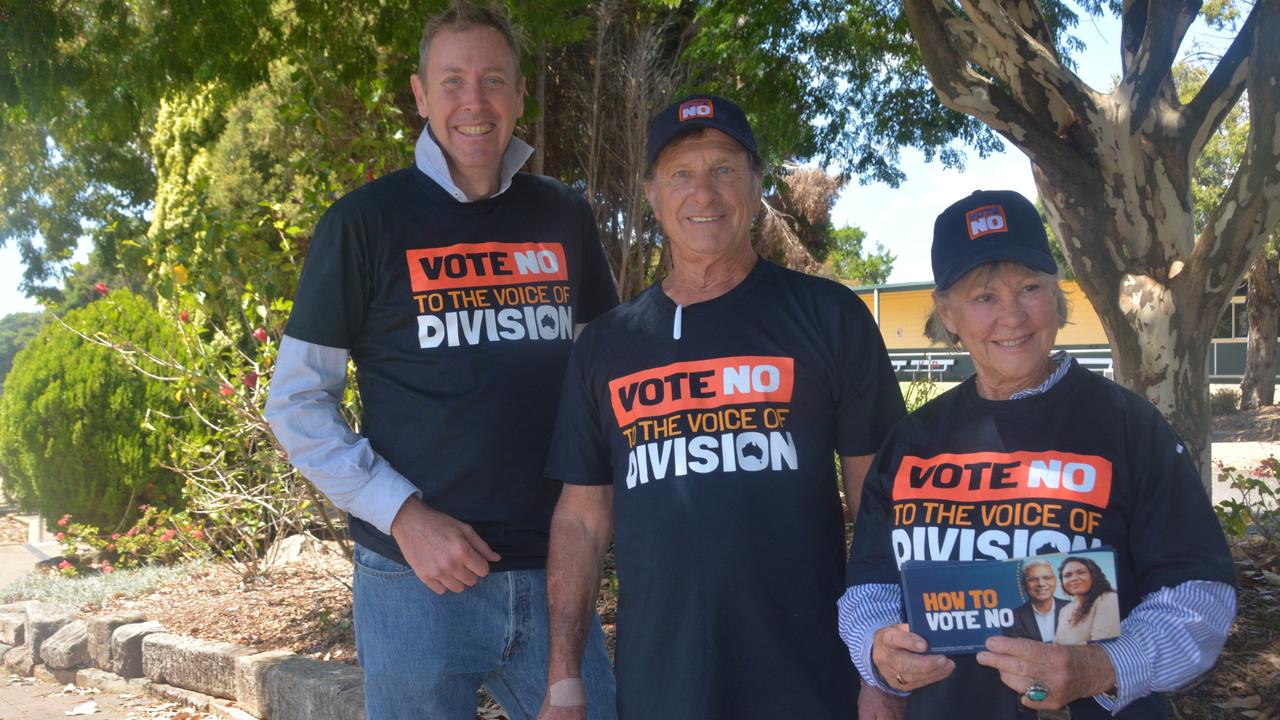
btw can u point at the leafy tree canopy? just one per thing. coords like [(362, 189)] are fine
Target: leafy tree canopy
[(245, 117), (850, 261)]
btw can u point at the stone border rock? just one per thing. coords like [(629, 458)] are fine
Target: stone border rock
[(124, 653)]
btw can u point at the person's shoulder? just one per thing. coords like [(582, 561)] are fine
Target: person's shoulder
[(385, 191), (921, 426), (1108, 395), (627, 319), (823, 287), (928, 415), (546, 189), (822, 296)]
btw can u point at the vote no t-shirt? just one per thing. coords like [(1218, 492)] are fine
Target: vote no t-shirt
[(459, 318), (728, 530), (1081, 466)]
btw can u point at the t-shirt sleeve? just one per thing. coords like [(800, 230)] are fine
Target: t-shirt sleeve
[(579, 452), (333, 291), (871, 559), (869, 400), (597, 292), (1174, 534)]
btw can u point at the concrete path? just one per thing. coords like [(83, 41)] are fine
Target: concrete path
[(18, 560), (31, 699)]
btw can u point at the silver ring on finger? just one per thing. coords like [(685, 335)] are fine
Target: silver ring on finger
[(1037, 691)]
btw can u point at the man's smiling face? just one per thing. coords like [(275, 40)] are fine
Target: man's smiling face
[(471, 93), (705, 194)]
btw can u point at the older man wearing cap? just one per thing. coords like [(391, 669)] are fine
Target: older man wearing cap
[(1033, 450), (700, 421)]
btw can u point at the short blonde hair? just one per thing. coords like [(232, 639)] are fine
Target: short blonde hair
[(937, 331)]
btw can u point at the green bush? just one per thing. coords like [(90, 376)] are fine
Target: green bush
[(1223, 401), (82, 433)]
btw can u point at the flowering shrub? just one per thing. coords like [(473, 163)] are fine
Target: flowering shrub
[(237, 483), (158, 537)]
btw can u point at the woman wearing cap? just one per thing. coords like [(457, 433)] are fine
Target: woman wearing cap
[(1032, 454)]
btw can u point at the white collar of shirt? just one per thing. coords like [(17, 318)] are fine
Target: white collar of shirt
[(1045, 622), (430, 160)]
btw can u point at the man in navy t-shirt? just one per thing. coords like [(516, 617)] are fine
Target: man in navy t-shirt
[(455, 286), (698, 425)]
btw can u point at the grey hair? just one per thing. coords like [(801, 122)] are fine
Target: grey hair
[(466, 16), (936, 331), (1032, 563)]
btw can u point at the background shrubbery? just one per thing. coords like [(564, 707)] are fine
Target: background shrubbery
[(1223, 401), (81, 432)]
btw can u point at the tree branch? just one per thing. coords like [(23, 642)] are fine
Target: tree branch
[(938, 30), (1199, 118), (1147, 66), (1022, 55), (1250, 208)]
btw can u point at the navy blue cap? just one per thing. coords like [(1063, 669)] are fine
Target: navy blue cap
[(988, 226), (699, 111)]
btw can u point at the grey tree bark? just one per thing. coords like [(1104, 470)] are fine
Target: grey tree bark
[(1258, 386), (1114, 172)]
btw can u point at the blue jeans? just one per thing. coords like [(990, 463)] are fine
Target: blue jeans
[(425, 655)]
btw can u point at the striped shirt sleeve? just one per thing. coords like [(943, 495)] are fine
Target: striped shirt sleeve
[(1172, 637), (864, 609)]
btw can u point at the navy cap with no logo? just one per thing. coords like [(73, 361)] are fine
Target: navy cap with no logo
[(985, 227), (699, 111)]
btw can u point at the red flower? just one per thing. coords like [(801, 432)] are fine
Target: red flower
[(183, 316), (167, 536), (250, 379), (197, 533), (62, 521), (115, 536), (64, 565), (260, 335), (369, 174), (101, 288), (106, 568), (226, 389), (59, 537)]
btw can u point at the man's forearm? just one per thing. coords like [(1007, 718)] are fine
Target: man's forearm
[(304, 411), (574, 565)]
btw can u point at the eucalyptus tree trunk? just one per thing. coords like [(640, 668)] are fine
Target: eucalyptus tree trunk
[(1114, 172), (1258, 386)]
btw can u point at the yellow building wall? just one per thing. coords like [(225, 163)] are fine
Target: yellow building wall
[(902, 314)]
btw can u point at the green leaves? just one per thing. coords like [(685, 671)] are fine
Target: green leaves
[(71, 413), (851, 262)]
